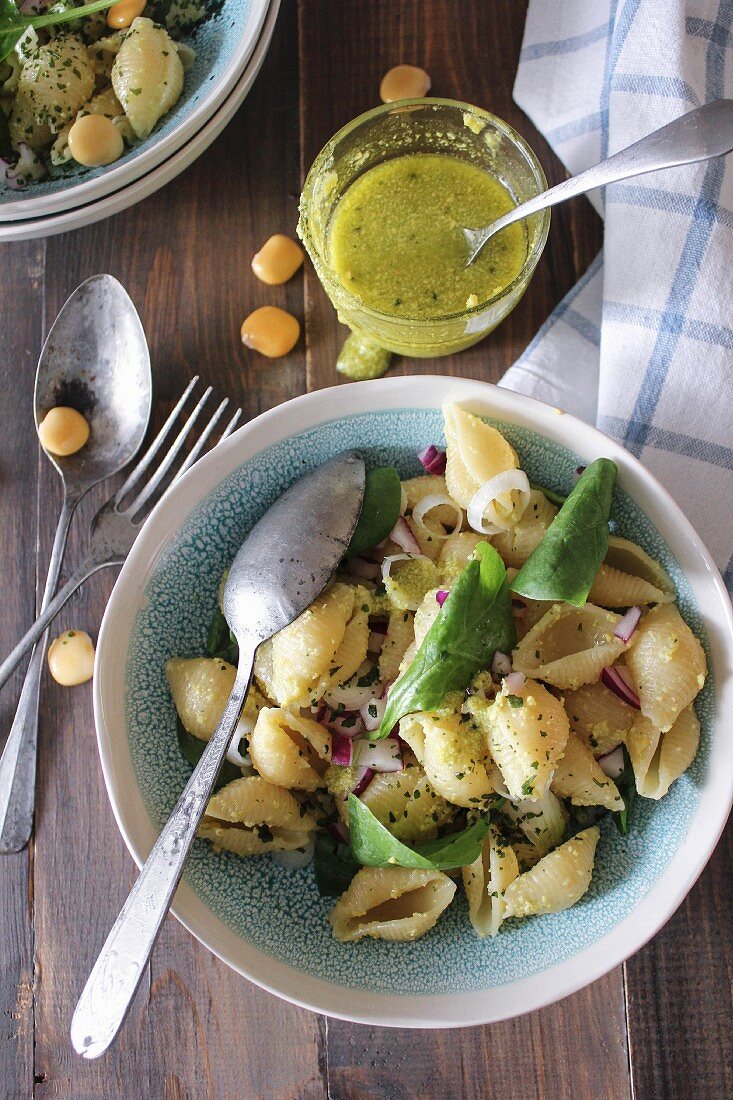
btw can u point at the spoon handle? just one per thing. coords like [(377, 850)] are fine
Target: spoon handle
[(107, 995), (18, 760), (699, 135)]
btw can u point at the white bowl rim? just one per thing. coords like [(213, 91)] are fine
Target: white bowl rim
[(139, 189), (438, 1010), (126, 172)]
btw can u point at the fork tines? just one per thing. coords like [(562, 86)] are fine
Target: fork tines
[(157, 479)]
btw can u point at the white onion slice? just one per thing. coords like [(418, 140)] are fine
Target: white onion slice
[(612, 764), (392, 558), (297, 858), (352, 695), (242, 729), (482, 512), (403, 537), (373, 712), (501, 664), (436, 500)]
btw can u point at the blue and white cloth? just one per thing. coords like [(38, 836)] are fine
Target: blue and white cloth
[(643, 345)]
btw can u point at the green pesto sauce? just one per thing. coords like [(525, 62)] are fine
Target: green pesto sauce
[(395, 239)]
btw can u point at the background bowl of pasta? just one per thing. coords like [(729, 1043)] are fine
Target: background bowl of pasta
[(267, 920), (155, 84)]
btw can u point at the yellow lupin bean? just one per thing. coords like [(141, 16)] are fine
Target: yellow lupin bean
[(271, 331), (94, 140), (404, 82), (63, 431), (121, 15), (71, 658), (277, 260)]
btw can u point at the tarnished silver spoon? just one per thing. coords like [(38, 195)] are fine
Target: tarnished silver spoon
[(286, 560), (699, 135), (96, 360)]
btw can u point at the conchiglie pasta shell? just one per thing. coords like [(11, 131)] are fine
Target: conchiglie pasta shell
[(485, 881), (667, 663), (456, 759), (517, 543), (23, 125), (407, 805), (599, 718), (476, 452), (349, 656), (659, 759), (293, 662), (570, 645), (200, 687), (542, 821), (426, 614), (247, 842), (612, 588), (56, 80), (253, 801), (391, 903), (429, 542), (629, 558), (288, 750), (398, 637), (579, 777), (525, 740), (455, 552), (558, 881), (147, 75)]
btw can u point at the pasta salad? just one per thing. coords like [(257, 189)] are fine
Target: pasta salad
[(489, 674), (80, 84)]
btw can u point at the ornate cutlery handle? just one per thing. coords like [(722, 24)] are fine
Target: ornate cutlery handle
[(107, 995)]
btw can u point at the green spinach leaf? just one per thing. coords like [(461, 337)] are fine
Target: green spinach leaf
[(221, 642), (626, 784), (374, 846), (473, 624), (6, 146), (334, 866), (192, 749), (379, 512), (13, 23), (552, 496), (564, 564)]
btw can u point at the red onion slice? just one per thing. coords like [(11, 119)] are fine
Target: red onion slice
[(616, 683), (432, 460), (342, 750), (626, 627), (403, 536), (612, 764), (441, 596), (380, 756), (338, 831), (364, 777), (373, 712), (501, 664), (514, 682)]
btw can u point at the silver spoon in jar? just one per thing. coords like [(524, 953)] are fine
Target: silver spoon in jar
[(96, 360), (699, 135), (287, 559)]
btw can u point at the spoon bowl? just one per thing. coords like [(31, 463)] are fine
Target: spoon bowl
[(96, 360)]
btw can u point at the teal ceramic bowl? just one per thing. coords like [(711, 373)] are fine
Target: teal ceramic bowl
[(223, 43), (269, 923)]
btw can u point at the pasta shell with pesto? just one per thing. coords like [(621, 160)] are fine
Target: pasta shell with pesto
[(391, 903), (485, 881), (517, 543), (407, 804), (660, 758), (251, 816), (200, 687), (455, 756), (667, 663), (570, 645), (542, 821), (455, 552), (288, 750), (147, 75), (558, 881), (56, 80), (599, 718), (399, 636), (580, 778)]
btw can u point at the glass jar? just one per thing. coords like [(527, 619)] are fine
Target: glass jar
[(420, 126)]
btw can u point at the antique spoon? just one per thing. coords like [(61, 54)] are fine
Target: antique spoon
[(96, 360), (286, 560), (699, 135)]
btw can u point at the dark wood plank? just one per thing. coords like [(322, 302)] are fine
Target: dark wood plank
[(470, 51), (196, 1029), (680, 1005), (21, 304)]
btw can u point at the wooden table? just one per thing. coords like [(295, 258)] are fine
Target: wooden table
[(660, 1025)]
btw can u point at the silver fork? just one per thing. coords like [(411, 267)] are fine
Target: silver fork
[(113, 531)]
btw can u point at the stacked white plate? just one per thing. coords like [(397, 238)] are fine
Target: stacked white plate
[(24, 215)]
